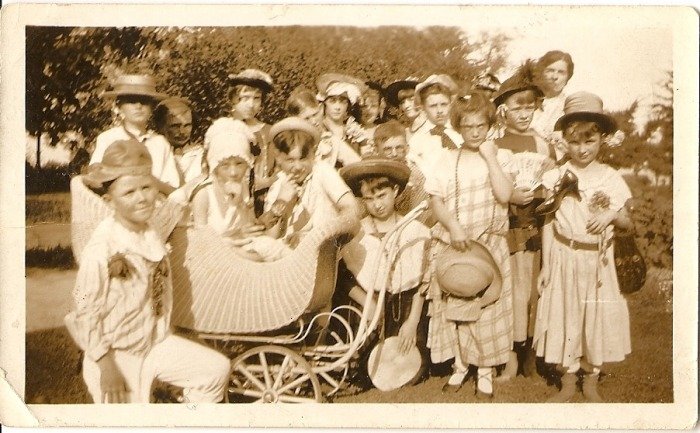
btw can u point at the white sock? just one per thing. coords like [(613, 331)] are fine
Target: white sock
[(576, 366)]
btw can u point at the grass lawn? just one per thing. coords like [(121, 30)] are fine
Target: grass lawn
[(645, 376), (48, 208)]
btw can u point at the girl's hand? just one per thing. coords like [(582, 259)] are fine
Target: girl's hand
[(288, 190), (112, 381), (522, 196), (488, 150), (543, 279), (252, 230), (407, 337), (458, 238), (598, 222)]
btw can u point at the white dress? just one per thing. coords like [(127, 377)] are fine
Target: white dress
[(581, 312)]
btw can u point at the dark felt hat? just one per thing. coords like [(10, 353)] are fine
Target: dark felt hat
[(393, 89), (522, 80)]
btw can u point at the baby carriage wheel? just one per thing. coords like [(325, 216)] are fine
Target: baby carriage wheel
[(273, 374)]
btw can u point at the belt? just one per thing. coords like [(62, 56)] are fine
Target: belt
[(576, 245)]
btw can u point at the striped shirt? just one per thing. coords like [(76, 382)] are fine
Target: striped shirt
[(130, 313)]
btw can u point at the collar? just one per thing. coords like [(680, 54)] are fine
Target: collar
[(146, 244), (136, 135)]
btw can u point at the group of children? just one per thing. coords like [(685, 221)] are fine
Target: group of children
[(512, 261)]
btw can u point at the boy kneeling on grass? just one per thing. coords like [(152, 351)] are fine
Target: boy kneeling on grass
[(378, 181), (123, 295)]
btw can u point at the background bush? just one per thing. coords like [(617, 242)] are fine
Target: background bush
[(69, 68)]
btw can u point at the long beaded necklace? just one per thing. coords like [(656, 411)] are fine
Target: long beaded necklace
[(457, 191)]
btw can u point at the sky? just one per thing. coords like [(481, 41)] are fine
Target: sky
[(620, 65)]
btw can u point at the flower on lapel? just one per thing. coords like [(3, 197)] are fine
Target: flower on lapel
[(119, 267), (599, 202)]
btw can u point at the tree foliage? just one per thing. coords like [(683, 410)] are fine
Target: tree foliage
[(639, 150), (68, 68)]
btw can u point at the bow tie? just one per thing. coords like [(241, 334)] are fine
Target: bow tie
[(446, 141)]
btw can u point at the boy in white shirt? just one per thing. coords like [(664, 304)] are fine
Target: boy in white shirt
[(434, 96)]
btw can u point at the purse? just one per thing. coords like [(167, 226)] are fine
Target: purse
[(629, 263)]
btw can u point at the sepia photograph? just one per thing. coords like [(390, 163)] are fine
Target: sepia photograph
[(360, 206)]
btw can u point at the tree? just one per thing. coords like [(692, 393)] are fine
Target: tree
[(68, 68)]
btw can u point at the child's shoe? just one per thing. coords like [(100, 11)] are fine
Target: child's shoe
[(568, 389)]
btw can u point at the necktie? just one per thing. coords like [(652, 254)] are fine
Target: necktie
[(446, 141)]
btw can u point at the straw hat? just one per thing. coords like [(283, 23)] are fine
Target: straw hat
[(375, 166), (467, 274), (141, 85), (332, 84), (442, 79), (587, 107), (523, 79), (253, 78), (390, 369), (393, 89), (295, 124), (121, 158)]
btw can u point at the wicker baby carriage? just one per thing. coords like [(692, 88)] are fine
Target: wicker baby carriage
[(278, 311)]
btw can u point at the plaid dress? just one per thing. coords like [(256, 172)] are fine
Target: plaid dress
[(488, 340)]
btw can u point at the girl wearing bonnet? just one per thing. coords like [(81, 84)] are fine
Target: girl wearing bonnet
[(340, 95)]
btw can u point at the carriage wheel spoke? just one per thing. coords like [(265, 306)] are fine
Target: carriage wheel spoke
[(298, 381), (280, 373), (249, 375), (266, 372)]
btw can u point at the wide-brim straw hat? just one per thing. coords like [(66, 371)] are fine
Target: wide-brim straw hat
[(390, 369), (140, 85), (374, 166), (442, 79), (467, 273), (295, 124), (253, 78), (523, 79), (586, 107), (393, 89)]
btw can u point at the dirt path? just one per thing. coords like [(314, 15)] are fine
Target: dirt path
[(48, 297)]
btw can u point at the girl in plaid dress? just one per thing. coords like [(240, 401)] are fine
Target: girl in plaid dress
[(470, 202)]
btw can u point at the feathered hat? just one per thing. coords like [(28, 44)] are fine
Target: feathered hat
[(523, 79)]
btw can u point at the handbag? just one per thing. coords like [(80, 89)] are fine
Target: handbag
[(629, 263)]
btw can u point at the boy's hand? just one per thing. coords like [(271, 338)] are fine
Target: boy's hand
[(407, 337), (597, 223), (488, 150), (112, 381), (458, 238), (522, 196)]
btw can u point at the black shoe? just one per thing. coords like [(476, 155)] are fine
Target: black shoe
[(568, 184)]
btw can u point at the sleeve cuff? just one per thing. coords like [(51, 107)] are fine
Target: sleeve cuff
[(98, 352)]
